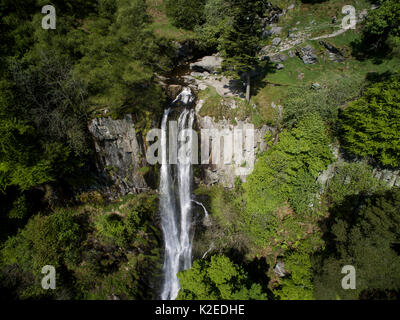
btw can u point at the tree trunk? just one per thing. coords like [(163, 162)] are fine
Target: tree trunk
[(248, 87)]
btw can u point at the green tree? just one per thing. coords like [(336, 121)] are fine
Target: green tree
[(298, 285), (45, 240), (185, 13), (216, 18), (367, 239), (371, 124), (240, 41), (217, 279), (382, 26)]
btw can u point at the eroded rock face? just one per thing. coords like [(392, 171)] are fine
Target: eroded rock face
[(218, 171), (119, 153)]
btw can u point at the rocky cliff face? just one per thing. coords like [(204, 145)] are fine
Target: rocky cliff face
[(219, 171), (119, 153)]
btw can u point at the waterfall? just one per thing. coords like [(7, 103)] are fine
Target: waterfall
[(206, 217), (176, 213)]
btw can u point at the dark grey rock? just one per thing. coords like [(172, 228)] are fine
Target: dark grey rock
[(316, 86), (119, 153), (278, 58), (307, 54), (272, 31)]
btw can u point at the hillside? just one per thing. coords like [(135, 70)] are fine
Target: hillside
[(93, 117)]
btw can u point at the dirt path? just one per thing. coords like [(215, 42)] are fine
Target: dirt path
[(332, 35)]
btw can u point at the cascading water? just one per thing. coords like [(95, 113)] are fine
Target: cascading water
[(176, 213)]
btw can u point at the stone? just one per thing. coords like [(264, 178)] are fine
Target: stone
[(291, 7), (363, 14), (278, 58), (202, 86), (279, 66), (173, 90), (276, 41), (334, 53), (316, 86), (264, 52), (291, 54), (307, 55), (210, 64), (272, 31), (198, 74), (279, 269)]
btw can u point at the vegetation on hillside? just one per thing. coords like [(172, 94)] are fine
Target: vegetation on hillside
[(324, 194)]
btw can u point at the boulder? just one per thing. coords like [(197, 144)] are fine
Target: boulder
[(209, 63), (334, 53), (278, 58), (279, 66), (276, 41), (316, 86), (279, 269), (173, 90), (307, 55), (272, 31)]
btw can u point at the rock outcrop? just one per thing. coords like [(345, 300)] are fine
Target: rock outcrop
[(219, 171), (307, 54), (209, 64), (119, 153)]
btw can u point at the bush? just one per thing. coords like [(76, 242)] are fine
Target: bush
[(352, 179), (284, 179)]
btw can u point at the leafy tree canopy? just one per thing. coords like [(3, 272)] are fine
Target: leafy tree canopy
[(217, 279), (371, 124)]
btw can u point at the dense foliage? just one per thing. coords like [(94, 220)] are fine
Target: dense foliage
[(367, 239), (371, 125), (217, 279), (185, 13), (382, 26), (324, 194), (117, 255)]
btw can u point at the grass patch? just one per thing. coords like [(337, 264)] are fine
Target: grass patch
[(161, 25), (220, 108), (275, 86)]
